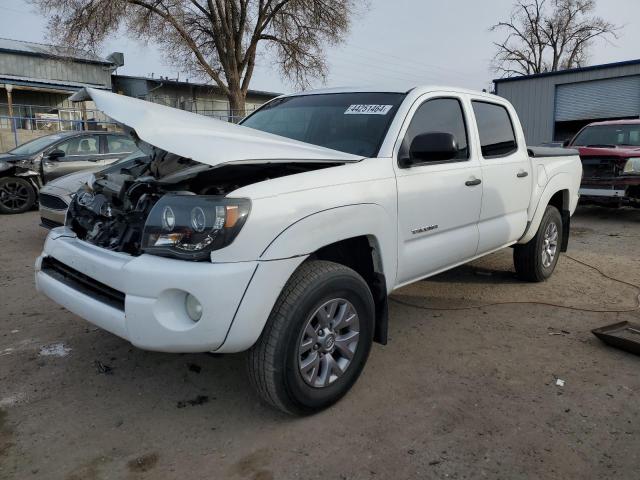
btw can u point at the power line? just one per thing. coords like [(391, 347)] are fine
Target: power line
[(407, 61), (397, 70), (14, 10), (381, 71)]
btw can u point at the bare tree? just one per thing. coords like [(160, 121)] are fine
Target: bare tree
[(549, 35), (218, 40)]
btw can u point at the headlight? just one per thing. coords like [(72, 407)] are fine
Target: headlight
[(190, 227), (632, 167)]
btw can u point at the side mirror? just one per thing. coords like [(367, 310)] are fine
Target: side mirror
[(432, 147), (56, 154)]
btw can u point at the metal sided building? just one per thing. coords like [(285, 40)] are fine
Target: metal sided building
[(553, 106), (202, 98), (44, 76)]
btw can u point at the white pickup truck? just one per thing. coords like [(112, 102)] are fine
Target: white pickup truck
[(284, 236)]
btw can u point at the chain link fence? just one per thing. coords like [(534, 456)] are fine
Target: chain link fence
[(15, 131), (33, 121), (215, 108)]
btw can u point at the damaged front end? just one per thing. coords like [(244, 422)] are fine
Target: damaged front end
[(610, 180), (173, 200), (164, 204)]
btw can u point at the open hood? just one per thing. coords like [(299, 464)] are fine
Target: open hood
[(203, 139)]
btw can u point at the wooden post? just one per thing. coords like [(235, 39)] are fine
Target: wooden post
[(83, 111), (9, 89)]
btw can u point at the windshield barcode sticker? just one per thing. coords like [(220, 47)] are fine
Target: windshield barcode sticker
[(368, 109)]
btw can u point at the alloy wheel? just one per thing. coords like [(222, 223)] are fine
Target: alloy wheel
[(14, 195), (549, 245), (328, 342)]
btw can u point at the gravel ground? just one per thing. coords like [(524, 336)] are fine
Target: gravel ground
[(455, 394)]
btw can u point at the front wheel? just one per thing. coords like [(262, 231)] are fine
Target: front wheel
[(316, 340), (536, 260), (17, 195)]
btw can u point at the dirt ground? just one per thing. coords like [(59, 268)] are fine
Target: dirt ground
[(455, 394)]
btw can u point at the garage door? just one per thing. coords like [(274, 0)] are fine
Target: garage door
[(611, 98)]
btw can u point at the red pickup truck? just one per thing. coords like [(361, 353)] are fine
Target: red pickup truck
[(610, 154)]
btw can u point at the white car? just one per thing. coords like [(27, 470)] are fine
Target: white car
[(284, 236)]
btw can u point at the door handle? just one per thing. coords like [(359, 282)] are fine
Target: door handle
[(522, 174), (473, 183)]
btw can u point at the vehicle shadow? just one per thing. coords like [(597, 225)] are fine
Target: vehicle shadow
[(476, 272), (595, 212)]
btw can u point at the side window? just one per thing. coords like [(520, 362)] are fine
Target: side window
[(120, 144), (86, 145), (441, 115), (497, 135)]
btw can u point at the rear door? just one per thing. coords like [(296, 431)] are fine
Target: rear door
[(117, 147), (438, 202), (506, 175), (80, 153)]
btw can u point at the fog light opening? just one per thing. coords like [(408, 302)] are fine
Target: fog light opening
[(193, 307)]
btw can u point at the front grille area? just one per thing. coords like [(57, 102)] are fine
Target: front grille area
[(46, 223), (52, 202), (595, 167), (83, 283)]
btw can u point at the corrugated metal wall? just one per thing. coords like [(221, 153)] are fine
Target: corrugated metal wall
[(534, 98), (54, 69)]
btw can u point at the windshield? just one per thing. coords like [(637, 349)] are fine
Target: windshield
[(35, 146), (353, 123), (609, 135)]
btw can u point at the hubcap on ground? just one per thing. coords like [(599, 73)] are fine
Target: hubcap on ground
[(549, 245), (14, 195), (328, 343)]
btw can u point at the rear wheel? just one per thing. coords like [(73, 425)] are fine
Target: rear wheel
[(316, 340), (16, 195), (536, 260)]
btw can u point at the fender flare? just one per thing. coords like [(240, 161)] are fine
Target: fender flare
[(557, 183), (311, 233), (291, 247)]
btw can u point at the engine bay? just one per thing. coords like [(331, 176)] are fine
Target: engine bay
[(111, 210)]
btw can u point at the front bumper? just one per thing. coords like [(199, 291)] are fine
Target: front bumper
[(615, 191), (602, 192), (153, 315)]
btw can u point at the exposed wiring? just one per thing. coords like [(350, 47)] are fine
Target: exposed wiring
[(534, 302)]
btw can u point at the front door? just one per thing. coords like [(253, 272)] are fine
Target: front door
[(80, 153), (438, 202)]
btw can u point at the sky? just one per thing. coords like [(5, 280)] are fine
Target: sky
[(395, 43)]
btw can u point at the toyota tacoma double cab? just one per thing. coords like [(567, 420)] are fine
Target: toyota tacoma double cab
[(610, 154), (284, 236)]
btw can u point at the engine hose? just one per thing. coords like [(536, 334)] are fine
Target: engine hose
[(533, 302)]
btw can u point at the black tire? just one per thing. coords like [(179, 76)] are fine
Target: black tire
[(273, 361), (528, 258), (16, 195)]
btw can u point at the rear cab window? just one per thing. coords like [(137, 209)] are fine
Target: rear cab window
[(495, 127)]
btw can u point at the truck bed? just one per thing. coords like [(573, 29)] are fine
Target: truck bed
[(542, 152)]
